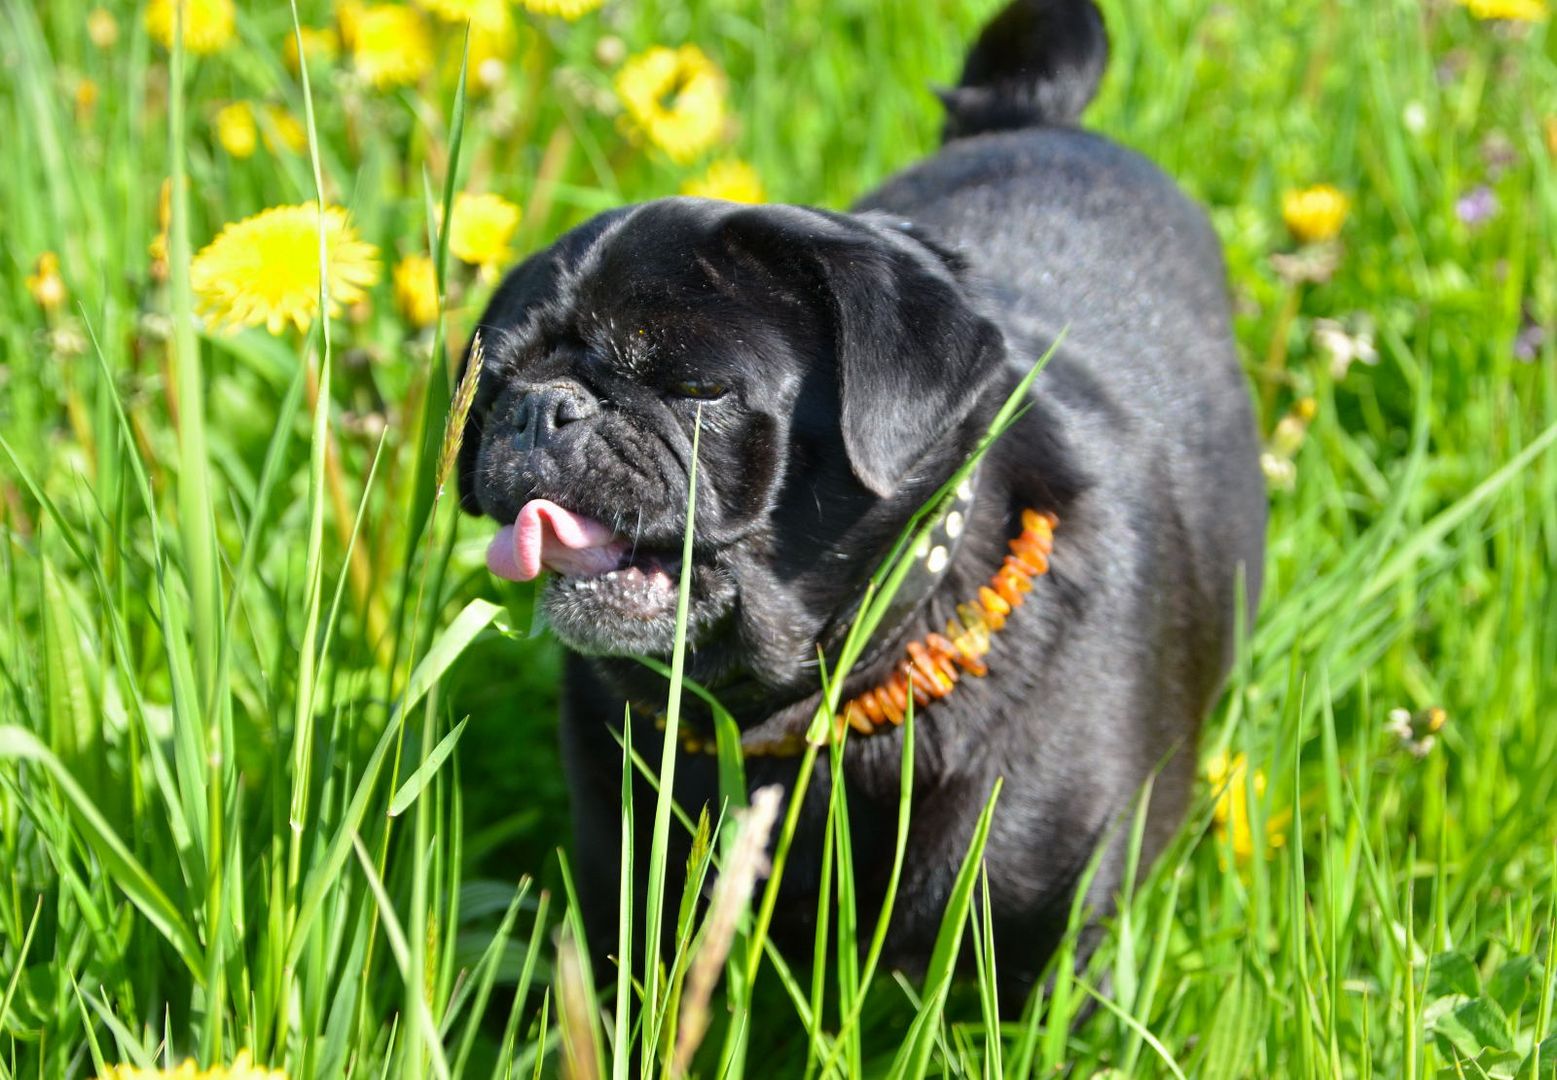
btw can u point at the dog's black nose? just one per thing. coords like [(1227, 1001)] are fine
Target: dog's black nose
[(544, 410)]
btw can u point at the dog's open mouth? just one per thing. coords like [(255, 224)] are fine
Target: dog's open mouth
[(588, 559)]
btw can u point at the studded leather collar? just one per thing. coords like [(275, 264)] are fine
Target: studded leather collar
[(932, 556)]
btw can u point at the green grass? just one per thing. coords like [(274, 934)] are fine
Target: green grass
[(259, 788)]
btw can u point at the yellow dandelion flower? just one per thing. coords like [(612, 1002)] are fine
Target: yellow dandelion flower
[(208, 24), (730, 179), (416, 290), (493, 34), (674, 97), (242, 1068), (494, 38), (1510, 10), (477, 12), (265, 269), (1229, 780), (1315, 213), (235, 129), (45, 284), (348, 13), (562, 9), (321, 45), (86, 98), (390, 44), (283, 131), (103, 28), (482, 227)]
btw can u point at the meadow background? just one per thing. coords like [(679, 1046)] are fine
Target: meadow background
[(278, 775)]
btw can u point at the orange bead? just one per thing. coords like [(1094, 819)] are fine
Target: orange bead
[(975, 622), (948, 667), (1007, 590), (872, 710), (1021, 576), (993, 604), (937, 683), (1042, 525), (963, 651), (1031, 552), (894, 698), (1024, 562), (942, 653), (854, 714), (970, 638)]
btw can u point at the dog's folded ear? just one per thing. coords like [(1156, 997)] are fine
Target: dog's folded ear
[(913, 356)]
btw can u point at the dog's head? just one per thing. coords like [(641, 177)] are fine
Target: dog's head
[(833, 370)]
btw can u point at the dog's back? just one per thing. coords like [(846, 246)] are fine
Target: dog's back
[(1069, 235)]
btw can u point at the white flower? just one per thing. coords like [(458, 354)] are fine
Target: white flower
[(1343, 348)]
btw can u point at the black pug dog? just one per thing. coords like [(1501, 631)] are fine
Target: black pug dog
[(844, 365)]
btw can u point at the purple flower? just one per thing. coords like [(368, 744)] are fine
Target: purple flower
[(1476, 206), (1498, 154), (1528, 342)]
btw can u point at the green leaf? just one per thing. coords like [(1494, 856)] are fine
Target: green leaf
[(1510, 984), (424, 773), (1470, 1028), (1453, 973), (1239, 1017), (447, 649), (74, 715)]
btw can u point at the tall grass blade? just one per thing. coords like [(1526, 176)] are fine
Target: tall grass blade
[(417, 782), (473, 618), (124, 869), (401, 949), (913, 1058), (670, 747)]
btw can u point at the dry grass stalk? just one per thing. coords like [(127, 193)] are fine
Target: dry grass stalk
[(747, 860), (573, 1013)]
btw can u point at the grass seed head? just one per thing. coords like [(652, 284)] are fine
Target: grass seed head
[(464, 398)]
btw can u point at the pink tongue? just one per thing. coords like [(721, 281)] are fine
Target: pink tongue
[(547, 537)]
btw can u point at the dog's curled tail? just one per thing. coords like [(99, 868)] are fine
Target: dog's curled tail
[(1038, 63)]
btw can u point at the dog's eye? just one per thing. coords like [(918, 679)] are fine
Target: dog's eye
[(699, 391)]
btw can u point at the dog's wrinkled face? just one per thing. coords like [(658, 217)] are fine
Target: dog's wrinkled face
[(826, 362)]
